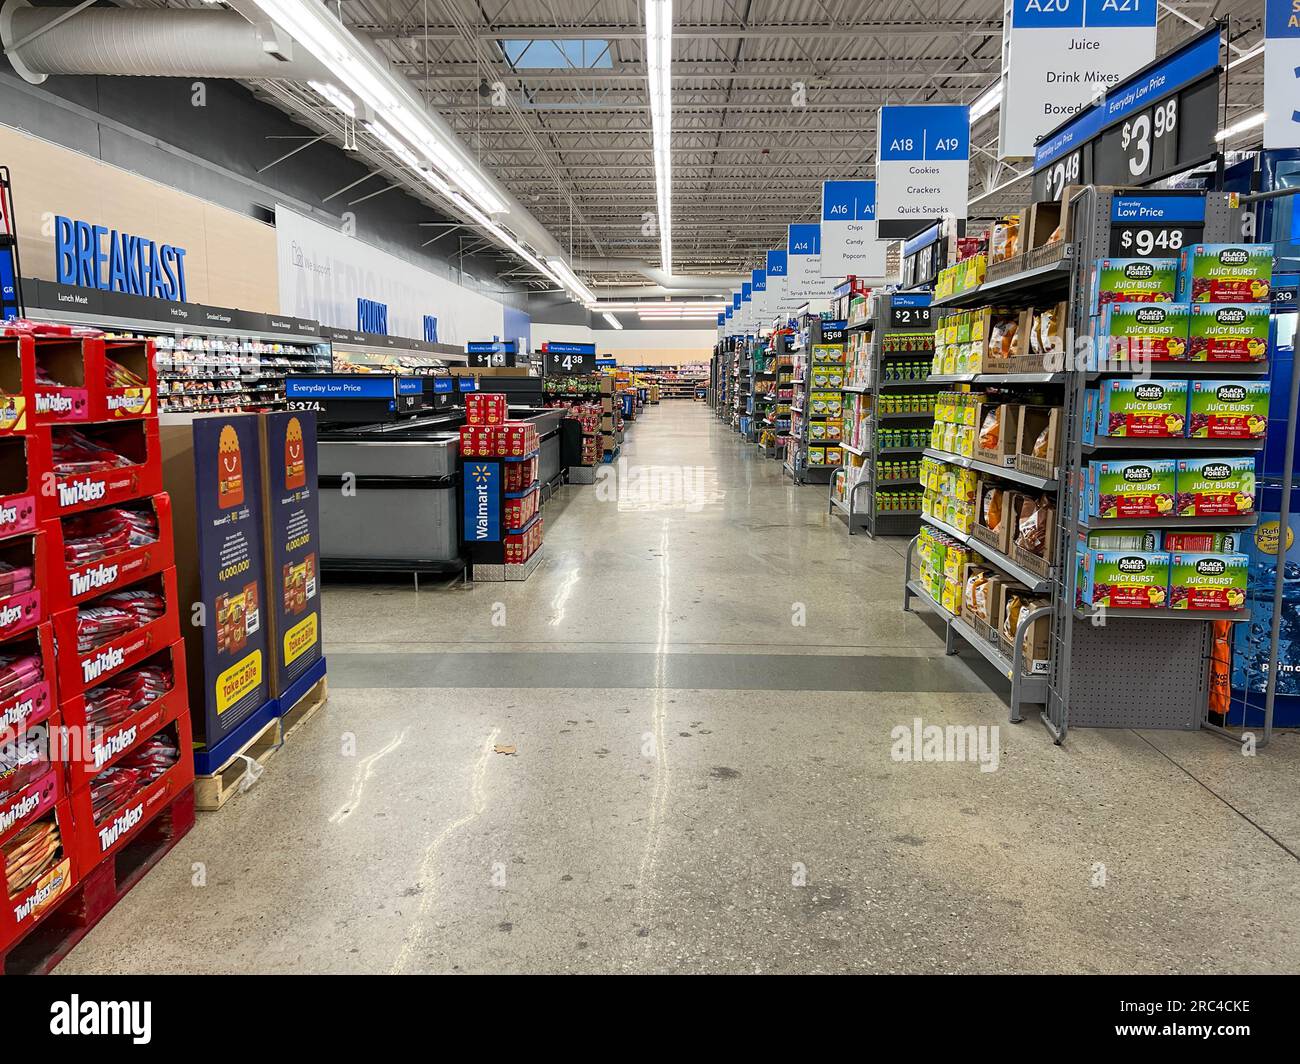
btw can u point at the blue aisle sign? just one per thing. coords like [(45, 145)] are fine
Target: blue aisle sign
[(482, 501), (804, 264), (923, 162), (1282, 74), (1058, 54), (777, 262), (849, 242)]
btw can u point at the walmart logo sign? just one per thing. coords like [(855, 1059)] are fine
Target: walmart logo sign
[(482, 511)]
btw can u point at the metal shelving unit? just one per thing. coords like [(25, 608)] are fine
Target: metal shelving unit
[(815, 331), (889, 315)]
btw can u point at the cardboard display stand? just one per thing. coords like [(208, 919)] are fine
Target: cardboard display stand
[(212, 469), (291, 521)]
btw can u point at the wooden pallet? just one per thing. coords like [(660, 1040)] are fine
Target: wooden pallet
[(90, 900), (213, 791)]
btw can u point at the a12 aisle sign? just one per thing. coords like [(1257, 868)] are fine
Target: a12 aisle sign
[(1156, 123), (922, 167), (1282, 74), (1155, 224)]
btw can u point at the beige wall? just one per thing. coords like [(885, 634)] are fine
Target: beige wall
[(230, 260), (656, 347)]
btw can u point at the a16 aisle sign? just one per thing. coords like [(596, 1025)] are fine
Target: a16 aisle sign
[(1282, 74), (922, 167), (1058, 54), (849, 242)]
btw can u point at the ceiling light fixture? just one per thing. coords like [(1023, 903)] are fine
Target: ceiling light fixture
[(325, 37), (336, 96), (988, 102), (1254, 120), (613, 321), (659, 60), (568, 279)]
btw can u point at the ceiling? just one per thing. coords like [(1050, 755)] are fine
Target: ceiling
[(571, 137)]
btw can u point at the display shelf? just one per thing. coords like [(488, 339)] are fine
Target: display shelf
[(1189, 524), (1177, 443), (1034, 281), (1191, 369), (1033, 688), (1042, 483), (1099, 613), (1032, 580)]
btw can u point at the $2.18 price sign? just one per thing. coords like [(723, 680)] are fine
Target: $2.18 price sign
[(910, 317)]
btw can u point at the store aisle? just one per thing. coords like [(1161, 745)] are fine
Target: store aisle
[(700, 684)]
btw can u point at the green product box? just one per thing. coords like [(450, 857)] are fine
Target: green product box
[(1215, 487), (1228, 410), (1230, 332), (1226, 273), (1155, 332), (1138, 408), (1208, 581), (1133, 281), (1126, 580), (1132, 488)]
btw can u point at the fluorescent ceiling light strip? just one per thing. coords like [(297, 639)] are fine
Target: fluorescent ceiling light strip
[(1257, 119), (312, 26), (988, 102), (659, 49), (612, 320), (336, 96), (568, 279), (1246, 57)]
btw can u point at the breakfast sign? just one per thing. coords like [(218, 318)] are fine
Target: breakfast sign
[(230, 625)]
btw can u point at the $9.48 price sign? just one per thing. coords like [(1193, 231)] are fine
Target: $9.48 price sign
[(1155, 224)]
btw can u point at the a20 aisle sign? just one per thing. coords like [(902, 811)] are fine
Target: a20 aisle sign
[(923, 166), (1282, 74), (1056, 56)]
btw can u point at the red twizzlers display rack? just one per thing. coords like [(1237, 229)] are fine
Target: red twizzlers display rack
[(97, 748)]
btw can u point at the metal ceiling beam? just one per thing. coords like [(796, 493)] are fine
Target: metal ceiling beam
[(955, 28)]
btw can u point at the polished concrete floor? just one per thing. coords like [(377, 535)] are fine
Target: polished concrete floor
[(699, 685)]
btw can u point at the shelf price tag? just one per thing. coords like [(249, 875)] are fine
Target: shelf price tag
[(1155, 225), (568, 358), (910, 310)]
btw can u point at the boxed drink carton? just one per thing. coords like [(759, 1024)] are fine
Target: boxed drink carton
[(1136, 488), (1208, 581), (1226, 273), (1229, 410), (1154, 332), (1230, 332), (1130, 580), (1204, 542), (486, 408), (1215, 487), (1137, 408), (1133, 281)]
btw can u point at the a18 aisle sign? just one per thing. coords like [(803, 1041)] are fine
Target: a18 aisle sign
[(922, 166)]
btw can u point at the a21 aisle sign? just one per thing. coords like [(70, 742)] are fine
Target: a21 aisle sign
[(850, 245), (1282, 74), (922, 167), (1156, 123), (1058, 54)]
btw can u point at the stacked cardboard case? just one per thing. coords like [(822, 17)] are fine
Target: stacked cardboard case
[(96, 738), (515, 445)]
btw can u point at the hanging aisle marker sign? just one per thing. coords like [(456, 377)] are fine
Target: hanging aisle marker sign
[(922, 166), (758, 282), (778, 284), (1158, 122), (1057, 55), (746, 307), (804, 255), (849, 239), (1282, 74)]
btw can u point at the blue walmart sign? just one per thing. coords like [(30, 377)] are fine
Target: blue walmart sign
[(94, 256), (482, 502)]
